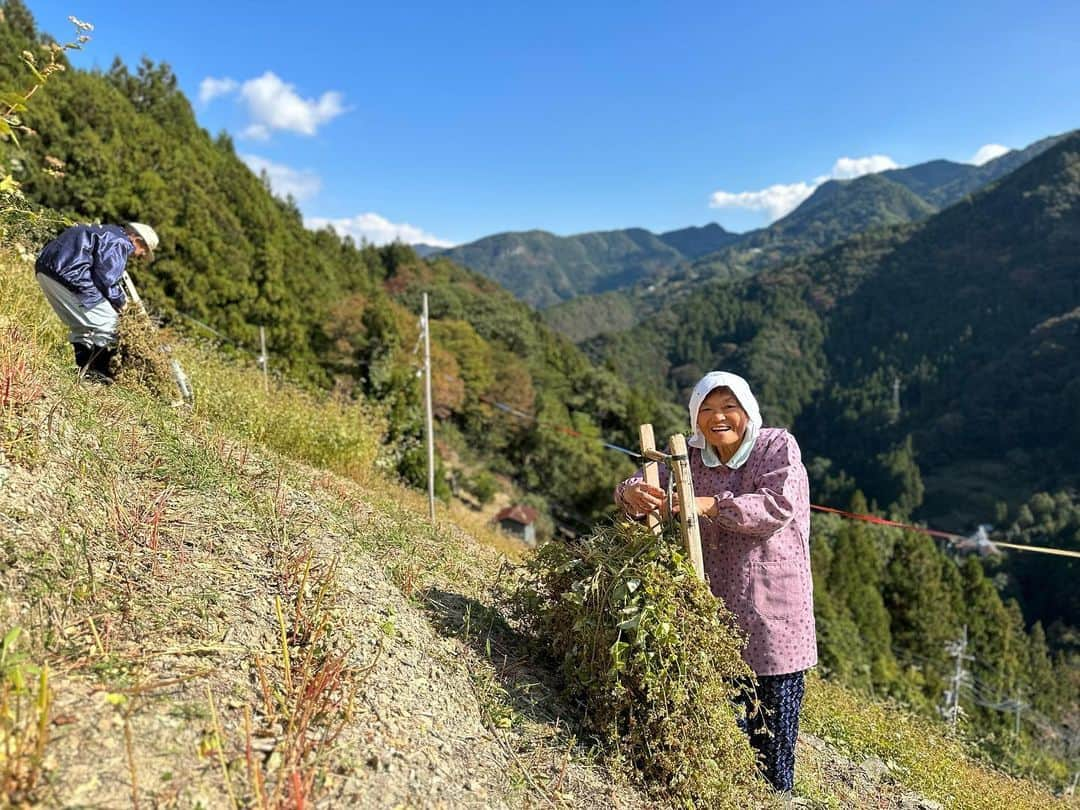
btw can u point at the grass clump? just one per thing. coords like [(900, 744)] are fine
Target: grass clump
[(652, 655), (319, 429)]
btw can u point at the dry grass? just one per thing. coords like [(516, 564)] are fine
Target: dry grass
[(924, 758)]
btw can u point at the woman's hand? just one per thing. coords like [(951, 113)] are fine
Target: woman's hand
[(706, 505), (641, 498)]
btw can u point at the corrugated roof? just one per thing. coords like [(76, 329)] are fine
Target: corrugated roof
[(519, 513)]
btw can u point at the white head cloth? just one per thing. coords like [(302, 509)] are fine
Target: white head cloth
[(741, 389)]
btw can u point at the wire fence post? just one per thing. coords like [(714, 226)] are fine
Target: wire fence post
[(263, 359), (427, 413)]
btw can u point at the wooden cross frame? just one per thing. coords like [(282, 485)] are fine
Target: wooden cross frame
[(679, 463)]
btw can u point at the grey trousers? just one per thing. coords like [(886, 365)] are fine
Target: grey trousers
[(96, 326)]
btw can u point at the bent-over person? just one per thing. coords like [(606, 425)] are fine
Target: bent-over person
[(80, 273)]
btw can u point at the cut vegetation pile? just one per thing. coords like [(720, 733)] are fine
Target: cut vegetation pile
[(651, 654), (139, 358)]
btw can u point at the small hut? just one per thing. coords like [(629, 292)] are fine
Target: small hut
[(520, 521)]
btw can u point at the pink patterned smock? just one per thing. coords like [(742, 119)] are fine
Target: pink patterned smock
[(757, 549)]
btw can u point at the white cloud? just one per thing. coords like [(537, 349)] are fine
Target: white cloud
[(377, 230), (781, 199), (776, 200), (846, 168), (255, 132), (274, 104), (210, 88), (988, 152), (302, 184)]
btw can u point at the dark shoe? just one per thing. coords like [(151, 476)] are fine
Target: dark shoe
[(102, 361), (83, 354), (93, 363)]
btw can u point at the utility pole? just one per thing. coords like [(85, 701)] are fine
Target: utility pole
[(895, 415), (263, 359), (958, 650), (1019, 706), (427, 413)]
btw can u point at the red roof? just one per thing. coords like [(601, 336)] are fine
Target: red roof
[(519, 513)]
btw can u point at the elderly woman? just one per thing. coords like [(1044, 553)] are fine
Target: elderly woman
[(754, 502)]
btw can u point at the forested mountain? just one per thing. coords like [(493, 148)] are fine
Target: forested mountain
[(423, 251), (235, 257), (837, 210), (698, 241), (542, 269), (942, 182)]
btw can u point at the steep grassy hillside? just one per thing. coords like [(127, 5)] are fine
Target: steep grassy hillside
[(228, 606)]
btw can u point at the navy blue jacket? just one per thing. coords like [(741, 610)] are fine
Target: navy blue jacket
[(89, 260)]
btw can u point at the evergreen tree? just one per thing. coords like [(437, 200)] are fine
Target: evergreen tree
[(920, 605)]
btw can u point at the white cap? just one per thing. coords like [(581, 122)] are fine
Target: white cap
[(147, 234)]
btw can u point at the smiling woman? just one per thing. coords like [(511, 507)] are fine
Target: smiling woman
[(755, 532)]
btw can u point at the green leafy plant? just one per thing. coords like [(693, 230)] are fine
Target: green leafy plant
[(651, 654), (24, 720)]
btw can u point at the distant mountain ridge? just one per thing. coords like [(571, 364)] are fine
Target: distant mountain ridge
[(624, 266), (543, 269)]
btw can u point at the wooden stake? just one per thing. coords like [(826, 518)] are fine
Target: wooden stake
[(651, 470), (427, 414), (688, 518)]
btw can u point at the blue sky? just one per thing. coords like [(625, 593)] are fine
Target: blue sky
[(449, 122)]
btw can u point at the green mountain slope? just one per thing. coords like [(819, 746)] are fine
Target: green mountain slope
[(836, 211), (942, 183), (697, 241)]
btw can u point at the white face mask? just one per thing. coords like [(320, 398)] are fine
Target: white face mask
[(741, 389)]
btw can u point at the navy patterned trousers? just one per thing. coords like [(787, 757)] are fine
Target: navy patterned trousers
[(770, 715)]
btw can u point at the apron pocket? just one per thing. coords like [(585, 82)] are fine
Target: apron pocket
[(777, 589)]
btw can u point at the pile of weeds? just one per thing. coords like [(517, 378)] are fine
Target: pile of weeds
[(140, 358), (651, 654)]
